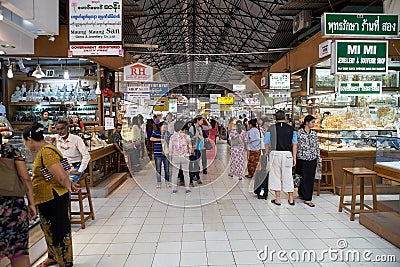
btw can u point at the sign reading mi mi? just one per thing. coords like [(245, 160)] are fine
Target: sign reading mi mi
[(360, 25), (360, 57)]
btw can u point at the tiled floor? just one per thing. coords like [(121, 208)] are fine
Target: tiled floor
[(218, 224)]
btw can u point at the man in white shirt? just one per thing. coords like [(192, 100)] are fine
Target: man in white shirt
[(73, 148)]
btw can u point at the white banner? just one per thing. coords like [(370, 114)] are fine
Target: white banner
[(214, 98), (133, 97), (138, 89), (95, 50), (138, 72), (99, 20), (252, 101)]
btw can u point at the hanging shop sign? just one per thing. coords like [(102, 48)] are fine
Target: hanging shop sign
[(263, 81), (279, 94), (225, 107), (214, 98), (95, 50), (355, 57), (135, 97), (158, 90), (360, 88), (279, 81), (95, 21), (138, 72), (173, 105), (349, 25), (325, 49), (161, 104), (252, 101), (138, 89), (226, 100), (239, 87)]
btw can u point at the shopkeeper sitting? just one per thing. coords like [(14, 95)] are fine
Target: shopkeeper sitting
[(73, 148), (116, 138)]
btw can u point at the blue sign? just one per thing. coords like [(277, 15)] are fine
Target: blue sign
[(158, 90)]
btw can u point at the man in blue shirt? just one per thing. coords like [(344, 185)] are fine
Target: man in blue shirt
[(281, 143), (158, 136)]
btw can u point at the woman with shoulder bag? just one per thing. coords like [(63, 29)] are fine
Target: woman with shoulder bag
[(14, 225), (308, 156), (51, 187)]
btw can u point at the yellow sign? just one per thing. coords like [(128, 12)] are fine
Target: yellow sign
[(161, 104), (225, 108), (226, 100)]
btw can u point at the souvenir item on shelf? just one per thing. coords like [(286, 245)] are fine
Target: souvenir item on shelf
[(16, 95)]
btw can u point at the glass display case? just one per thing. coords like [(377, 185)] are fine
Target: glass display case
[(349, 140), (388, 152)]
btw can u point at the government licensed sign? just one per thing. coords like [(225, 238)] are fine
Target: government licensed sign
[(99, 21), (360, 88), (355, 57), (95, 50), (360, 25)]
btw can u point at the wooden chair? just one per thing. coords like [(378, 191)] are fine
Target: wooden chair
[(79, 196), (121, 162), (327, 181), (358, 174)]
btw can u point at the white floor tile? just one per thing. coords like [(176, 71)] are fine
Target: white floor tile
[(195, 246), (220, 258), (87, 260), (122, 248), (242, 245), (139, 260), (246, 257), (193, 259), (144, 248), (168, 247), (215, 245), (164, 260), (112, 260)]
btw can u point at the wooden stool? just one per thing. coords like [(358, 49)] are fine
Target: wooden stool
[(121, 162), (80, 196), (358, 173), (327, 181)]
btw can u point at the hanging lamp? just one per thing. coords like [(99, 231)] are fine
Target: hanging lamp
[(38, 73), (66, 73)]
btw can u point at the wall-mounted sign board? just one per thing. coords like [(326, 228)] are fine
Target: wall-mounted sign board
[(350, 25), (279, 81), (226, 100), (360, 88), (95, 50), (355, 57)]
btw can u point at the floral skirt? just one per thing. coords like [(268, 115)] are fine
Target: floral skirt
[(56, 225), (14, 227)]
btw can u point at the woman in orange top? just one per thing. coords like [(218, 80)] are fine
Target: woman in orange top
[(51, 197)]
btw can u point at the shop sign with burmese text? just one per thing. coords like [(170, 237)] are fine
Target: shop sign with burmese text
[(355, 57), (95, 21), (138, 72), (95, 50), (360, 88), (350, 25)]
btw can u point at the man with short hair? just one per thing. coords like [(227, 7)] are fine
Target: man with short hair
[(73, 148), (116, 138), (281, 143)]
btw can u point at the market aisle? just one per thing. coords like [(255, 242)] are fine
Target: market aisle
[(134, 229)]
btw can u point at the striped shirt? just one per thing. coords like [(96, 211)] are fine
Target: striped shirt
[(157, 144)]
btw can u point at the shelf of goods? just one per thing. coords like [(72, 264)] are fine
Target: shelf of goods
[(388, 158), (28, 97), (350, 148), (102, 163)]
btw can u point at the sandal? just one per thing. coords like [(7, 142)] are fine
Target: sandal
[(46, 262), (291, 203), (276, 203), (309, 203)]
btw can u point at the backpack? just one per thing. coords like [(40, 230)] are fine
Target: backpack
[(179, 145)]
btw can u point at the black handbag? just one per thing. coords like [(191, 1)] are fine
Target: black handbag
[(64, 163), (11, 184)]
